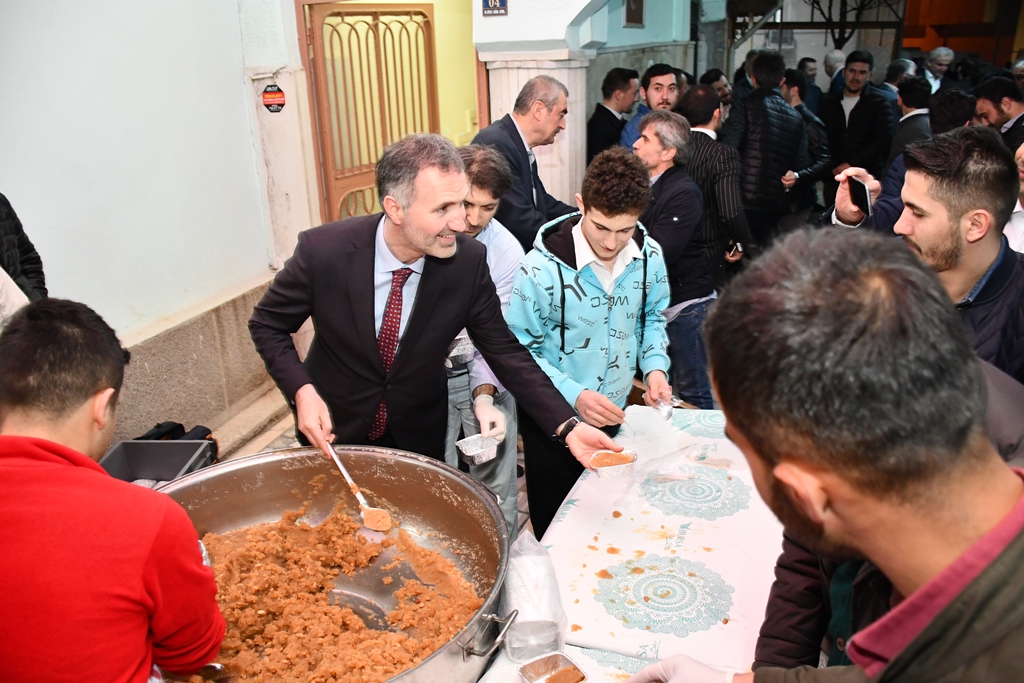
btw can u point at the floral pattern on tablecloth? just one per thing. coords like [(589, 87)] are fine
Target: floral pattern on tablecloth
[(665, 594), (709, 424), (702, 492)]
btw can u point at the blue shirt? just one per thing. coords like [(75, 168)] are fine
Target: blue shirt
[(631, 131), (385, 263), (980, 284)]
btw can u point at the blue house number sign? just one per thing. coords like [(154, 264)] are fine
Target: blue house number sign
[(493, 8)]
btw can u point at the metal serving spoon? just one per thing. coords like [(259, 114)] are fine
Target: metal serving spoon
[(377, 519)]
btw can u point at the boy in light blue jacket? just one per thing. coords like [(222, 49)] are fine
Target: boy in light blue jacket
[(587, 303)]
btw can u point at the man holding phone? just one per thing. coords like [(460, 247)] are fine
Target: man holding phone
[(959, 193)]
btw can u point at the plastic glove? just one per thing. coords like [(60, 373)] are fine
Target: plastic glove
[(680, 669), (492, 420)]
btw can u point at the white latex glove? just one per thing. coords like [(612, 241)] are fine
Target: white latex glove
[(680, 669), (492, 420)]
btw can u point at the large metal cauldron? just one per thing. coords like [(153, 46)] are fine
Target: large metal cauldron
[(441, 508)]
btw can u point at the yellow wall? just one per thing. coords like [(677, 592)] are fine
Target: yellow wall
[(456, 66)]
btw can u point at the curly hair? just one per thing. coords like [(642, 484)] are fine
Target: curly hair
[(616, 183)]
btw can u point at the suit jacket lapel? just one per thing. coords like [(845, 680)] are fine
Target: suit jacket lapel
[(532, 181), (360, 281)]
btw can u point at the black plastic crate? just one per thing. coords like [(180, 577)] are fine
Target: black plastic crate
[(156, 460)]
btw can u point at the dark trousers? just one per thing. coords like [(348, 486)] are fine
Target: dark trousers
[(763, 226), (551, 472)]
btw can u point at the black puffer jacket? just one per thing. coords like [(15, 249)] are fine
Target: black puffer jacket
[(18, 256), (771, 139), (866, 140)]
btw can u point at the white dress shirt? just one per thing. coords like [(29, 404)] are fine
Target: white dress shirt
[(1014, 229), (385, 263), (707, 131), (585, 256)]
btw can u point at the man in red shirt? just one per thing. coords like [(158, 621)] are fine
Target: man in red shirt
[(100, 579), (859, 411)]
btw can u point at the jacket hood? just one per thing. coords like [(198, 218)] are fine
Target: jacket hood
[(555, 241)]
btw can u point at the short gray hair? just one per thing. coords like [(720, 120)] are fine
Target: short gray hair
[(543, 88), (673, 131), (403, 160), (940, 53), (835, 58)]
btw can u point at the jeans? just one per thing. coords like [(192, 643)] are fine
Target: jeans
[(689, 359), (498, 474)]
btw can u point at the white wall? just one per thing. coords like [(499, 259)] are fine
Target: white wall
[(128, 152), (664, 22)]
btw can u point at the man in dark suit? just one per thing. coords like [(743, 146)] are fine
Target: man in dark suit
[(716, 79), (999, 106), (537, 117), (621, 90), (388, 293), (743, 85), (859, 123), (914, 96), (897, 71), (812, 96), (716, 169), (936, 70), (675, 219)]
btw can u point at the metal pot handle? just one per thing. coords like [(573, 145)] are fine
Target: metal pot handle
[(468, 649)]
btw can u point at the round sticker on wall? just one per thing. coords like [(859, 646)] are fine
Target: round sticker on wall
[(273, 98)]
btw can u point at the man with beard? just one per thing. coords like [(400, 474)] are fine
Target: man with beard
[(1000, 106), (959, 192), (659, 89), (907, 479), (717, 79)]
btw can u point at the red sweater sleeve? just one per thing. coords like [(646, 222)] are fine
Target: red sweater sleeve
[(186, 624)]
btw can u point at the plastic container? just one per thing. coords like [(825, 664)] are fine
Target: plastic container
[(529, 639), (157, 460), (476, 449), (539, 669), (622, 471)]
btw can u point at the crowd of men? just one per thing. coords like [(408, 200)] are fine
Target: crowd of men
[(872, 383)]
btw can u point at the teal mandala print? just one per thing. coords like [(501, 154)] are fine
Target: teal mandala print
[(665, 595), (709, 424), (629, 665), (708, 494)]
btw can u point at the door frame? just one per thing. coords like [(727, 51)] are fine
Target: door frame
[(305, 30)]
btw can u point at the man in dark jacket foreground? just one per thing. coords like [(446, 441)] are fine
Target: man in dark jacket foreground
[(908, 480), (675, 218), (771, 140)]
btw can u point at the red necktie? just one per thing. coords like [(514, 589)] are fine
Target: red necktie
[(387, 342)]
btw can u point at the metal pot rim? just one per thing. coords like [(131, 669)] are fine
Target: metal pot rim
[(467, 636)]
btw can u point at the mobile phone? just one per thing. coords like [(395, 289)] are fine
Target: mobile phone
[(859, 195)]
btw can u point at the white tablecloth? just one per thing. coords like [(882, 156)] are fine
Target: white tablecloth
[(681, 559)]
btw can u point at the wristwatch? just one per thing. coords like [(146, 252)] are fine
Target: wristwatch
[(563, 430)]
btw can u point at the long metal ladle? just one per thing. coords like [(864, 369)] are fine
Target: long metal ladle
[(377, 519)]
